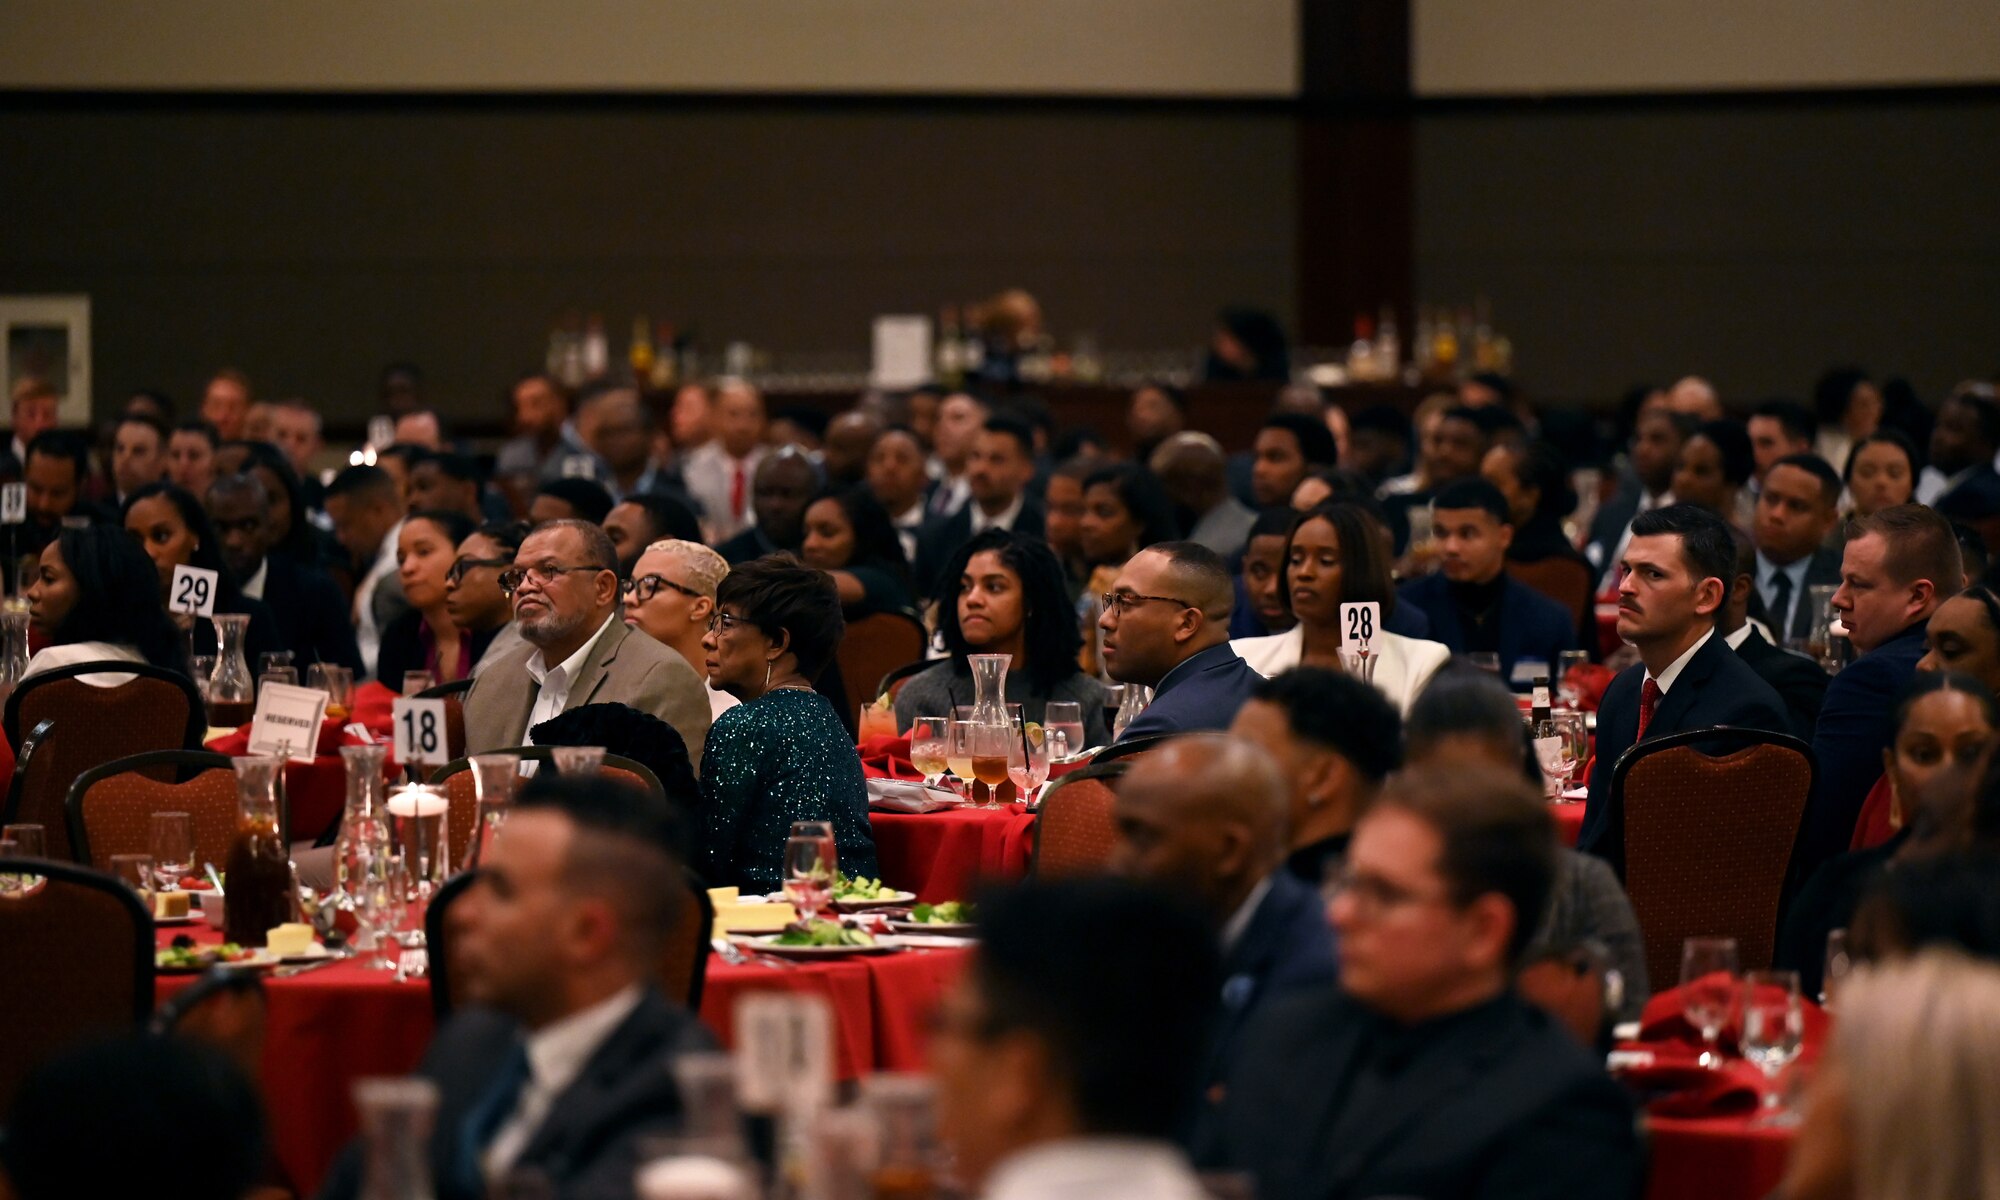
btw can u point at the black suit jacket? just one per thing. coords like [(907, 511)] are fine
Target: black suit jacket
[(1715, 688), (1856, 723), (1286, 946), (1823, 567), (588, 1145), (1493, 1102), (1975, 496), (311, 613), (1799, 681), (941, 537)]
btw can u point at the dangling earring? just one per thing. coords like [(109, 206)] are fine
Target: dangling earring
[(767, 674)]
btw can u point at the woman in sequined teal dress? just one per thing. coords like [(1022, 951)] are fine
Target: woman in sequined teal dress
[(782, 755)]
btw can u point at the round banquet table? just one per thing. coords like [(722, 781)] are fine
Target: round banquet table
[(327, 1027), (1569, 820), (943, 855), (1714, 1158)]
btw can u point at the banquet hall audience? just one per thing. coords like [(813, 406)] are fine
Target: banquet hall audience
[(1047, 1051), (1675, 575), (287, 513), (1334, 739), (1192, 470), (57, 473), (1656, 445), (1260, 598), (782, 755), (1204, 816), (1944, 728), (448, 481), (896, 477), (472, 593), (1165, 626), (1336, 555), (1289, 447), (1008, 597), (138, 455), (1963, 445), (850, 439), (670, 596), (1849, 407), (998, 472), (312, 620), (1899, 565), (1451, 449), (1714, 466), (848, 536), (95, 596), (638, 521), (618, 428), (1900, 1106), (1799, 681), (1157, 412), (1779, 428), (544, 438), (191, 451), (564, 585), (367, 514), (558, 1058), (296, 429), (225, 403), (1423, 1073), (960, 417), (571, 498), (1471, 601), (427, 637), (1964, 635), (1123, 510), (1534, 478), (173, 530), (784, 484), (1797, 511), (35, 408), (1880, 473), (723, 472)]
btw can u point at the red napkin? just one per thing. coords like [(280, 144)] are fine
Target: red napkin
[(1663, 1021), (371, 709), (332, 736), (1696, 1091), (888, 758), (1589, 682)]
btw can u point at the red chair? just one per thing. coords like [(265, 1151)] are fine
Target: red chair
[(462, 798), (874, 646), (110, 808), (892, 683), (1074, 833), (1563, 580)]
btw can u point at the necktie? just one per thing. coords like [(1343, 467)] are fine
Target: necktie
[(1649, 699), (736, 493), (1781, 605), (485, 1117)]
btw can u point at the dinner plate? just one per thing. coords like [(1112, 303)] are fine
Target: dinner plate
[(191, 917), (314, 953), (890, 900), (940, 928), (768, 944), (260, 961)]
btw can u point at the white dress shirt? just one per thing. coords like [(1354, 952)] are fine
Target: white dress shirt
[(710, 475), (557, 1054), (366, 632), (1665, 679), (555, 681), (907, 524), (254, 586), (1004, 520), (1735, 640), (1091, 1168), (1232, 931)]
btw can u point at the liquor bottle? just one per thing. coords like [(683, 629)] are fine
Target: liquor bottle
[(1361, 352), (1444, 344), (1551, 754), (641, 354), (950, 353), (972, 345), (1422, 353), (666, 360), (1388, 348), (596, 348)]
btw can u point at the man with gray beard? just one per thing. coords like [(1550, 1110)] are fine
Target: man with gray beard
[(564, 587)]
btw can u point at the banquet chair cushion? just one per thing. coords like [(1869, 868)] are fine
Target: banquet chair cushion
[(1708, 839), (872, 647), (110, 808), (892, 683), (76, 961), (1563, 580), (1127, 749), (1073, 829)]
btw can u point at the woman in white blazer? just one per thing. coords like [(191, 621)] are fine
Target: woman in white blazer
[(1334, 556)]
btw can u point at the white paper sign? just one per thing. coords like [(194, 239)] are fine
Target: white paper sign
[(784, 1052), (1359, 624), (1527, 670), (381, 431), (287, 720), (420, 733), (193, 591), (902, 351), (13, 503)]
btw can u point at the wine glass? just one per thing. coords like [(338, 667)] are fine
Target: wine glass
[(1774, 1025), (203, 666), (930, 742), (958, 755), (1575, 741), (811, 866), (338, 684), (171, 838), (135, 871), (1708, 989), (1028, 758), (990, 740), (1567, 662)]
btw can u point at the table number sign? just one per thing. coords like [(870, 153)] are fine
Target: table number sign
[(784, 1053), (1359, 624), (287, 721), (193, 591), (420, 731), (13, 503)]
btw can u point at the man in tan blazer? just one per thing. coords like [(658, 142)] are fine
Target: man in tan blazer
[(565, 593)]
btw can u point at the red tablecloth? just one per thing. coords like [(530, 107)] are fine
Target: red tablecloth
[(1569, 820), (942, 855), (881, 1004), (316, 792)]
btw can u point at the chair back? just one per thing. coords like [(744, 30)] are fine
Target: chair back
[(76, 961), (462, 798), (1708, 838), (874, 646), (89, 726), (457, 687), (110, 808), (892, 683), (683, 968), (453, 695), (1563, 580), (1127, 749), (1073, 829)]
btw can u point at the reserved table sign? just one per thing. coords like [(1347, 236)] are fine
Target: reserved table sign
[(287, 721)]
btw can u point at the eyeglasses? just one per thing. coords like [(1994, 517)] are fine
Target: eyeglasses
[(645, 587), (725, 621), (1373, 895), (459, 567), (543, 575), (1124, 602)]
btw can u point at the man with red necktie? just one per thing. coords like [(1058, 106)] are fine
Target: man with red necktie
[(1674, 578)]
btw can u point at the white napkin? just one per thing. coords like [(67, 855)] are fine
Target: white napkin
[(909, 796)]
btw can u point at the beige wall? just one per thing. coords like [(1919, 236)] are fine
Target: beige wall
[(1506, 47), (980, 47)]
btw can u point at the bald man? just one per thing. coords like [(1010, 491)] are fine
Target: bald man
[(1695, 397), (1166, 626), (1207, 816), (1194, 472)]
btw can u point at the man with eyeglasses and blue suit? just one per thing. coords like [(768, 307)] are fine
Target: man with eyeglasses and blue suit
[(1166, 626)]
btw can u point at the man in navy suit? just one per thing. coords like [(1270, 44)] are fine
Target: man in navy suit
[(1796, 510), (1166, 627), (1963, 444), (1205, 816), (1471, 602), (1656, 444), (997, 474), (1901, 563), (1675, 577)]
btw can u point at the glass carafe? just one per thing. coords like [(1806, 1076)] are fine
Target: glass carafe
[(396, 1120), (493, 780), (13, 650), (231, 692), (257, 884), (991, 729), (361, 853)]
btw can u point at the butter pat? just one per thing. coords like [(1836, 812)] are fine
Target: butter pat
[(170, 904), (753, 918), (720, 897), (289, 941)]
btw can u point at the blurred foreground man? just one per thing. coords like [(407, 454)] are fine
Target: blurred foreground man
[(1064, 1062), (1423, 1074), (557, 1063)]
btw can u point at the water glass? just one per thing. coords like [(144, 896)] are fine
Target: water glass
[(1576, 746), (930, 744), (1774, 1025), (415, 682), (990, 743), (203, 666), (1063, 719), (494, 777), (909, 1157), (958, 755), (1567, 663), (1134, 700), (276, 660), (338, 684), (1028, 759), (584, 761), (171, 838), (1485, 660), (1708, 989), (135, 871), (811, 865), (30, 841)]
